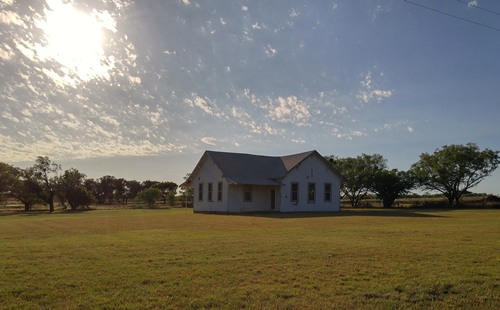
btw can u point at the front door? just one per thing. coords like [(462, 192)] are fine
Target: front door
[(273, 199)]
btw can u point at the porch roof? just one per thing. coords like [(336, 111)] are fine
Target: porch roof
[(254, 181)]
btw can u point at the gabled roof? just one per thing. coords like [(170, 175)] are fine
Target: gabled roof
[(250, 169)]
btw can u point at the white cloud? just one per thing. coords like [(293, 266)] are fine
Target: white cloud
[(209, 140), (6, 52), (201, 103), (299, 141), (289, 110), (134, 79), (270, 51), (11, 18), (369, 92), (293, 13), (10, 117), (109, 120), (472, 4), (244, 8), (156, 118)]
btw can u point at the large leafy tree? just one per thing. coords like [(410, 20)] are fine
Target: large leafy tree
[(358, 174), (168, 190), (73, 189), (120, 190), (8, 176), (20, 184), (25, 188), (454, 169), (389, 185), (93, 187), (133, 187), (148, 183), (106, 185), (46, 174)]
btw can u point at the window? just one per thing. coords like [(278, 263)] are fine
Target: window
[(210, 189), (219, 191), (328, 192), (200, 192), (294, 192), (247, 193), (311, 192)]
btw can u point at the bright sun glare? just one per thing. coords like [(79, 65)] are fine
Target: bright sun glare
[(73, 39)]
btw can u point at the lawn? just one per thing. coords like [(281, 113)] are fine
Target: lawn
[(131, 259)]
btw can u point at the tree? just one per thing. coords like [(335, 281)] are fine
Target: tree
[(358, 173), (106, 186), (454, 169), (133, 187), (149, 196), (168, 191), (16, 183), (8, 177), (187, 195), (389, 185), (25, 188), (46, 174), (120, 190), (93, 187), (148, 183), (73, 189)]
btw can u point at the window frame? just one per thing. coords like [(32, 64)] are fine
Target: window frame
[(200, 191), (329, 192), (296, 192), (219, 191), (247, 190), (311, 185), (210, 188)]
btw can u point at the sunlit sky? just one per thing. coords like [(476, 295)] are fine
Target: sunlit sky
[(140, 89)]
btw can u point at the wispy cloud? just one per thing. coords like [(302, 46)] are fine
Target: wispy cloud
[(209, 140), (289, 110), (139, 95), (368, 90)]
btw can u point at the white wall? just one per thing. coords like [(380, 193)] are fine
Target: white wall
[(209, 173), (261, 198), (311, 170)]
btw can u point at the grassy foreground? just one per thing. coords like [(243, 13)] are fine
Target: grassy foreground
[(175, 259)]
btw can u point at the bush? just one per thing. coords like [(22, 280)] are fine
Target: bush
[(79, 197), (149, 196)]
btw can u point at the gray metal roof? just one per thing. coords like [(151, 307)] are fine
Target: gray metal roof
[(255, 169), (248, 169)]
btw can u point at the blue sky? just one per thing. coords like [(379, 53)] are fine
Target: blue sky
[(140, 89)]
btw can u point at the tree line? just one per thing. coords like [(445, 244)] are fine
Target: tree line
[(451, 170), (45, 181)]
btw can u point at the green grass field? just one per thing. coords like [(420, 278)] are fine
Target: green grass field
[(145, 259)]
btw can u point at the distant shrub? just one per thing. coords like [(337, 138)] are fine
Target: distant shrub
[(149, 196)]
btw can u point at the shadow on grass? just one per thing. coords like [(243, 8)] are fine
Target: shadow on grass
[(41, 212), (352, 212)]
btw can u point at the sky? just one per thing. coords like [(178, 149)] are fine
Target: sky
[(141, 89)]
